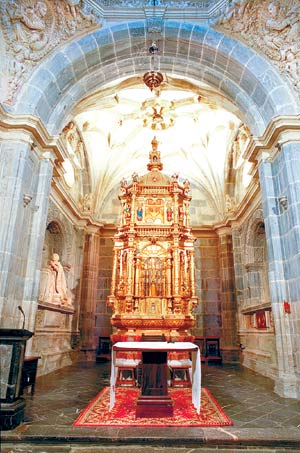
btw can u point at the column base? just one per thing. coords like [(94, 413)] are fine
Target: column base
[(230, 355), (88, 355), (12, 414), (288, 386)]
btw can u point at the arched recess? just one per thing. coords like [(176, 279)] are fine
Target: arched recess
[(194, 51), (256, 261), (256, 328), (57, 226)]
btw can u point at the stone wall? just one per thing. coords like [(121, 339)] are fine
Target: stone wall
[(208, 312), (280, 187), (254, 311), (24, 188), (103, 312)]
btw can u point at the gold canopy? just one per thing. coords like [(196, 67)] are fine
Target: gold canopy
[(153, 281)]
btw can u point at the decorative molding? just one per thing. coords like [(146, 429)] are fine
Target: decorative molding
[(134, 9), (280, 130), (29, 128), (51, 307), (61, 197)]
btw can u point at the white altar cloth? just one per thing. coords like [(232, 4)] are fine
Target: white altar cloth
[(163, 347)]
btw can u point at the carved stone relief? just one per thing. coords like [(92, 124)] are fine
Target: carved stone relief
[(87, 203), (273, 27), (168, 3), (76, 168), (33, 28)]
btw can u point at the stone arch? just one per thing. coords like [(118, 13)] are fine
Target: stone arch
[(53, 242), (194, 51), (56, 218), (255, 222), (256, 260)]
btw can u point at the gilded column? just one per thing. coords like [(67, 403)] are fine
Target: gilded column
[(169, 277), (130, 280), (114, 273), (137, 277)]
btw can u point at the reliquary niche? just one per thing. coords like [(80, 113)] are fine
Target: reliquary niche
[(153, 281)]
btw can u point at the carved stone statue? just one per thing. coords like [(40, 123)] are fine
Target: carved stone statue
[(87, 202), (53, 286)]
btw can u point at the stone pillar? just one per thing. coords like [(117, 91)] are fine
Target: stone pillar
[(229, 341), (208, 311), (24, 193), (90, 269), (103, 311), (280, 186)]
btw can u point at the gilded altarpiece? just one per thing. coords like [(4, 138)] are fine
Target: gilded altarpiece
[(153, 281)]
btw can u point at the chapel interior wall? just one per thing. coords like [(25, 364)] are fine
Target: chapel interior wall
[(56, 334), (254, 310)]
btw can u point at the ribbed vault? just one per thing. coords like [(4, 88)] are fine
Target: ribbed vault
[(233, 76)]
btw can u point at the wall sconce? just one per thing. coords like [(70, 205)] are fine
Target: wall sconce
[(283, 202), (26, 199)]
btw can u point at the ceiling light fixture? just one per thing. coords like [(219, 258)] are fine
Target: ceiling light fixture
[(153, 78)]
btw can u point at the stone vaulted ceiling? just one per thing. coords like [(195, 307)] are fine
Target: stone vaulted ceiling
[(192, 123)]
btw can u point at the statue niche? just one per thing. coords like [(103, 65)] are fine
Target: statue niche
[(153, 280)]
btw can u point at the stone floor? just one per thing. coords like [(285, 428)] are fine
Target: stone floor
[(262, 420)]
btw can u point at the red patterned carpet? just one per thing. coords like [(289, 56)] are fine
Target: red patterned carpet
[(123, 413)]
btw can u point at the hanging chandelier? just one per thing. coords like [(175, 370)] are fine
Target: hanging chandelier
[(153, 78)]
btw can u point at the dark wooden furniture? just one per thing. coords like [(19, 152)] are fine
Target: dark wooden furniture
[(29, 371), (104, 349), (12, 405), (209, 349), (126, 375), (154, 398), (180, 376)]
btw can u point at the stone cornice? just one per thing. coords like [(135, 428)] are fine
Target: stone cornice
[(29, 128), (203, 231), (189, 10), (70, 209), (250, 199), (280, 130)]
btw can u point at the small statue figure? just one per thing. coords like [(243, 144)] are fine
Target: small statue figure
[(53, 286), (139, 213), (127, 210), (181, 212), (169, 214), (186, 186)]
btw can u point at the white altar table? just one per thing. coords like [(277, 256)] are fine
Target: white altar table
[(160, 347)]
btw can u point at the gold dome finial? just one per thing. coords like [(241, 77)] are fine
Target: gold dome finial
[(154, 157)]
